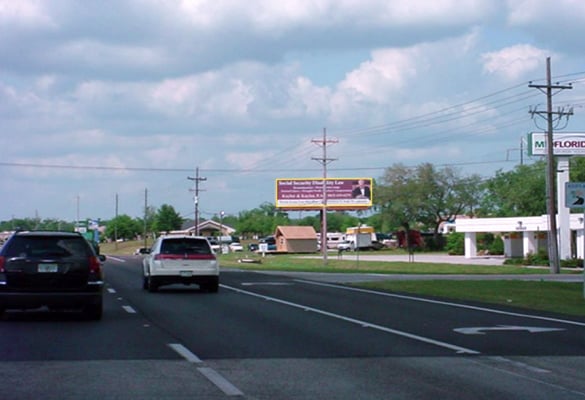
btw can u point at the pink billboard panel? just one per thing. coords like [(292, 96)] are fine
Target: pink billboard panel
[(309, 193)]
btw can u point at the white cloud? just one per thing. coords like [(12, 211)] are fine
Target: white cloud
[(388, 71), (539, 13), (223, 84), (25, 12), (512, 63)]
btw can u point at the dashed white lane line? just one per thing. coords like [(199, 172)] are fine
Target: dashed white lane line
[(223, 384), (185, 353), (212, 375), (129, 309)]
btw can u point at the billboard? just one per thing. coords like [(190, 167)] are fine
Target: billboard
[(308, 193), (564, 144)]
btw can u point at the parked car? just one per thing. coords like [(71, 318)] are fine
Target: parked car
[(215, 246), (236, 246), (141, 251), (253, 247), (58, 270), (270, 241), (181, 259), (344, 245)]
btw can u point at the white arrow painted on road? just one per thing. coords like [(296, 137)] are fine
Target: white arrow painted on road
[(482, 330)]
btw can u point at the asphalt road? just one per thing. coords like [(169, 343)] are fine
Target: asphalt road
[(273, 336)]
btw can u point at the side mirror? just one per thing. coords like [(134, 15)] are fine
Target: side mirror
[(102, 258)]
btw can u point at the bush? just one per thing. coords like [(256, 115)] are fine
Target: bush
[(455, 244), (497, 246), (572, 263), (540, 258)]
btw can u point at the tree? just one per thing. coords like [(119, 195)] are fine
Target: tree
[(261, 221), (122, 227), (577, 169), (424, 196), (521, 191), (167, 219)]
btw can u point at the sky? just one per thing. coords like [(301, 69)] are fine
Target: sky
[(110, 105)]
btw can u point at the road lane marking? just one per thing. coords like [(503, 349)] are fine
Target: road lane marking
[(129, 309), (365, 324), (518, 364), (267, 284), (116, 259), (185, 353), (445, 303), (213, 376), (482, 330), (223, 384)]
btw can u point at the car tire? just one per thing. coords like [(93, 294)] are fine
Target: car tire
[(212, 286), (151, 284), (94, 312)]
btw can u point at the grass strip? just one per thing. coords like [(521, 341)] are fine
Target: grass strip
[(557, 297)]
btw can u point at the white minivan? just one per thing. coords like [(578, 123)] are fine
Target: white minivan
[(181, 259)]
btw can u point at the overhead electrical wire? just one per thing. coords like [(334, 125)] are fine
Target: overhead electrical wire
[(294, 155)]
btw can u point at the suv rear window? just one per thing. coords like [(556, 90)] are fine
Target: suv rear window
[(47, 246), (185, 246)]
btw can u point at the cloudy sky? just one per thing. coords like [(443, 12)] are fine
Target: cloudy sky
[(114, 99)]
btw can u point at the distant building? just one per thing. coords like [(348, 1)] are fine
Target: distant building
[(296, 239)]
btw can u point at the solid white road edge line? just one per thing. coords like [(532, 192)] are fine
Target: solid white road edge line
[(445, 303), (364, 324)]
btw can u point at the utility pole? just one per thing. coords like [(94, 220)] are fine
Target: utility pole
[(116, 225), (323, 142), (145, 215), (196, 180), (553, 248)]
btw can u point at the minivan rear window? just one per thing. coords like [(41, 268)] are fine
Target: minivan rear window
[(47, 246)]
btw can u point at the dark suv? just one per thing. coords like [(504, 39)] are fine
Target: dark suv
[(59, 270)]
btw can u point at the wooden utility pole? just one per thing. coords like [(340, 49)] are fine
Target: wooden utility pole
[(196, 179), (553, 248), (324, 161), (145, 216)]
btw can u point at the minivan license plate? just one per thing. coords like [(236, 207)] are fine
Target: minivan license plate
[(48, 268)]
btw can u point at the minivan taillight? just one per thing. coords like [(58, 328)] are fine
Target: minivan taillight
[(2, 262), (95, 267)]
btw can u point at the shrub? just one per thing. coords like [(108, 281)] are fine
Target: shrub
[(572, 263), (455, 244), (497, 246)]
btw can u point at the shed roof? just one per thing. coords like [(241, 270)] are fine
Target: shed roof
[(297, 232)]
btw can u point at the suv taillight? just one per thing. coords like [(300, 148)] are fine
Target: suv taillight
[(95, 266), (2, 262)]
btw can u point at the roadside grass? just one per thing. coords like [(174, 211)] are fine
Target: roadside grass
[(122, 248), (557, 297), (303, 263)]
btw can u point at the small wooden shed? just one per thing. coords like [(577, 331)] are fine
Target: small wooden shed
[(296, 239)]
